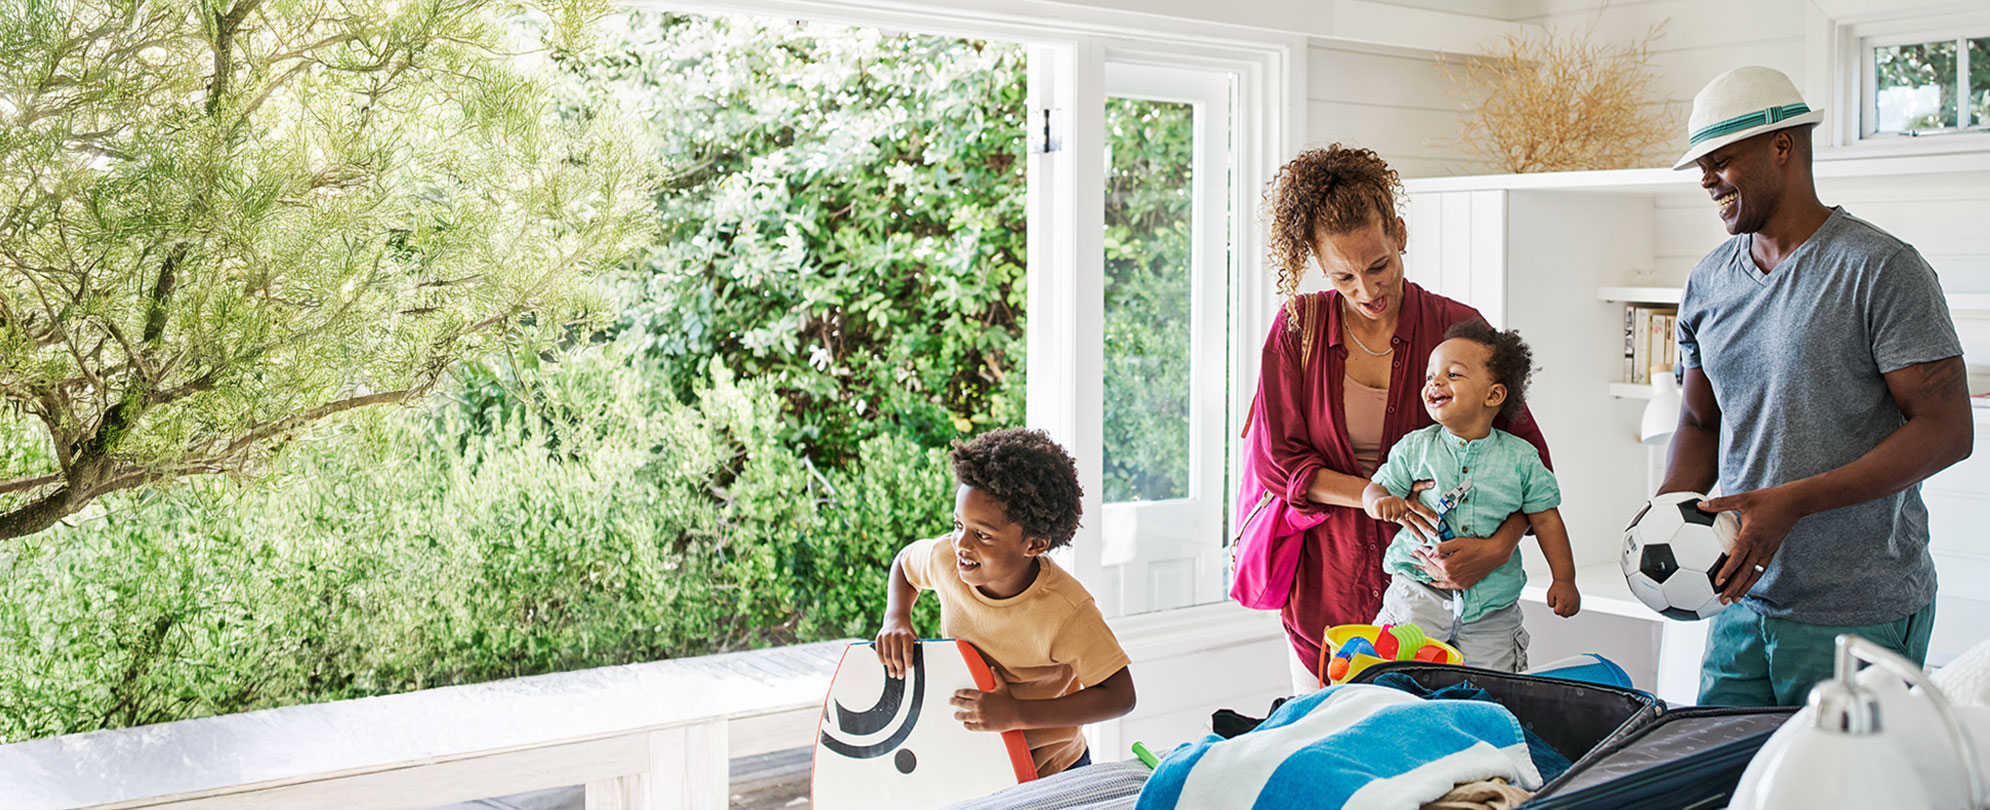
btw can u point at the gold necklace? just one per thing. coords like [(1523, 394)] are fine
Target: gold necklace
[(1349, 326)]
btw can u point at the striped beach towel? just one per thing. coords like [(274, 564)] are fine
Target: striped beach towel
[(1353, 746)]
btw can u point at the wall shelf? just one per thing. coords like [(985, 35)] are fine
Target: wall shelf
[(1959, 302), (1641, 295)]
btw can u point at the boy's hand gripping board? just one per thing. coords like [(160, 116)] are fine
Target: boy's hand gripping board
[(888, 743)]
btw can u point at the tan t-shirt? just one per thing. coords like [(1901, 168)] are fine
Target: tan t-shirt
[(1046, 642)]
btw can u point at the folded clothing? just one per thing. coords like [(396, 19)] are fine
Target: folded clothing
[(1351, 745), (1548, 761)]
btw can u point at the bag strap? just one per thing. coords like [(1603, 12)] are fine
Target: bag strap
[(1309, 309), (1309, 316)]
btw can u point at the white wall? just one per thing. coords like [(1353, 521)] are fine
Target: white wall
[(1701, 38), (1398, 103)]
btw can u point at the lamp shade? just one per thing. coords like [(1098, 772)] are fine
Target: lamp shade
[(1861, 742), (1803, 766), (1661, 416)]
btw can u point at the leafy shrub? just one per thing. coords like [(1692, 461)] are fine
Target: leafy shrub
[(838, 295)]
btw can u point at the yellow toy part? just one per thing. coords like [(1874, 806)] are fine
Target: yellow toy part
[(1363, 653)]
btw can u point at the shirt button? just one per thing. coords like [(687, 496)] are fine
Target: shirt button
[(1374, 592), (1392, 409)]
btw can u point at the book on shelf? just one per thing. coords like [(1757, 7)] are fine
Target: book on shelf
[(1650, 341)]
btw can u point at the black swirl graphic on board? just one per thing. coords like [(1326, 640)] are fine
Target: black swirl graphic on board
[(875, 718)]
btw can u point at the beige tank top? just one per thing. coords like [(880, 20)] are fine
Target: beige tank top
[(1362, 408)]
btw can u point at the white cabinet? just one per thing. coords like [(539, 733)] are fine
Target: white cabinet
[(1557, 255)]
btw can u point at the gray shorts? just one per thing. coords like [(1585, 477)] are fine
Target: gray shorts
[(1495, 641)]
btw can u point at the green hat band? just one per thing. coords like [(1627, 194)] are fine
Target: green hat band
[(1741, 122)]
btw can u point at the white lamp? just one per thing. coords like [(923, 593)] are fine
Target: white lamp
[(1865, 740), (1661, 415), (1661, 418)]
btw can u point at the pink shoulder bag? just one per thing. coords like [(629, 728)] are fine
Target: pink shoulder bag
[(1264, 550)]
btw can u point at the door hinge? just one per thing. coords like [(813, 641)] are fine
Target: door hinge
[(1046, 130)]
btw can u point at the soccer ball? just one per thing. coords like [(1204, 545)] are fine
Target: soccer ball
[(1673, 551)]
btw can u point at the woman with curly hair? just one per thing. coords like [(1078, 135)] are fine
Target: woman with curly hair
[(1339, 382)]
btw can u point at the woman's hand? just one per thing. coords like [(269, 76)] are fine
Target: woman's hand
[(1460, 562)]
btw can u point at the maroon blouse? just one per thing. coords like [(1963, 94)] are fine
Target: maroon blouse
[(1298, 429)]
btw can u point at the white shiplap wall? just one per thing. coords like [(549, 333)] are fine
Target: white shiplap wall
[(1399, 104), (1395, 103), (1701, 38)]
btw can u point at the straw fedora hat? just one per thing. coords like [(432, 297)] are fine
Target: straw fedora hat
[(1743, 103)]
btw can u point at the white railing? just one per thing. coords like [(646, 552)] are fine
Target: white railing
[(655, 735)]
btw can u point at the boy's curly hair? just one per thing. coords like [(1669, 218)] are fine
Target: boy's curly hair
[(1338, 189), (1036, 481), (1511, 362)]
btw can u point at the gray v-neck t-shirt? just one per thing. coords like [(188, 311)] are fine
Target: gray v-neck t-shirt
[(1795, 356)]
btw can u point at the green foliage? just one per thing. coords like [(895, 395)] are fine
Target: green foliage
[(732, 462), (226, 221), (437, 546), (1936, 66), (1149, 216), (845, 220)]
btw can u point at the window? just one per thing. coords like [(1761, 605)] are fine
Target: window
[(1167, 267), (1916, 85), (1139, 314)]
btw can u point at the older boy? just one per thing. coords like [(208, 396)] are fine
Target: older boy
[(1056, 663)]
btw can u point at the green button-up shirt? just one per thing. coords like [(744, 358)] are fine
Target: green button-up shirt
[(1507, 476)]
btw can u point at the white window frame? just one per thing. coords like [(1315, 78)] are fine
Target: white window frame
[(1131, 527), (1869, 82), (1067, 310), (1841, 66), (1068, 48)]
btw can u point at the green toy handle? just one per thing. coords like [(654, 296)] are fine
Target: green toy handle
[(1146, 756)]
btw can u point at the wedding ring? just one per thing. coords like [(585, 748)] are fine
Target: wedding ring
[(1759, 569)]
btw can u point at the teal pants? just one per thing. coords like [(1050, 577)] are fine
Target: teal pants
[(1756, 660)]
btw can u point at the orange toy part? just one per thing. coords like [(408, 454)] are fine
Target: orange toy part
[(1432, 653), (1385, 643), (1337, 669)]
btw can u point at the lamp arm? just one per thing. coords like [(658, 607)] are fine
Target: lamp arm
[(1852, 649)]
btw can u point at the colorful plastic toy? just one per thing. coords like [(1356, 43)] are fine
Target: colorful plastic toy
[(1351, 648), (1399, 642)]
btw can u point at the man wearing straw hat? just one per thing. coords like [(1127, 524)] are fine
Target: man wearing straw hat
[(1823, 382)]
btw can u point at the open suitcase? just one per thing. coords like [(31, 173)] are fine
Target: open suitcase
[(1688, 758), (1629, 751)]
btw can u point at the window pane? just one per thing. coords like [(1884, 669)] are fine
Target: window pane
[(1979, 81), (1149, 209), (1914, 86)]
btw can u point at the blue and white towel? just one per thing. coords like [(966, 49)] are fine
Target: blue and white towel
[(1355, 746)]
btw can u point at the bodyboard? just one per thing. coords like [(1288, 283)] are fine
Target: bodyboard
[(887, 743)]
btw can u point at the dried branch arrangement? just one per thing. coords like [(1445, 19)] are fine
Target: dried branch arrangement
[(1562, 103)]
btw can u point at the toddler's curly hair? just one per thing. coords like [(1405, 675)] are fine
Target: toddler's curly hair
[(1511, 362), (1338, 189), (1036, 481)]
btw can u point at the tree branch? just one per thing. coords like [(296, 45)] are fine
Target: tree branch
[(19, 484)]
